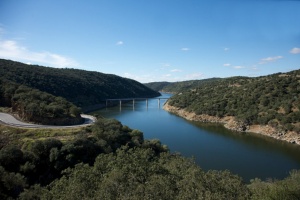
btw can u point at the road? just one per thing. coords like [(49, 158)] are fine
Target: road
[(9, 120)]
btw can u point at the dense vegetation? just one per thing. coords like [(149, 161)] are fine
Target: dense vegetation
[(177, 87), (83, 88), (157, 86), (111, 161), (36, 106), (270, 100)]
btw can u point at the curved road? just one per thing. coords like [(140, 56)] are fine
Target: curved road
[(9, 120)]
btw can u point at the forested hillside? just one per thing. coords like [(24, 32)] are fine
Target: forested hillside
[(83, 88), (177, 87), (272, 100), (36, 106), (157, 86), (110, 161)]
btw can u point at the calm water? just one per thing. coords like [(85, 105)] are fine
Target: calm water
[(212, 146)]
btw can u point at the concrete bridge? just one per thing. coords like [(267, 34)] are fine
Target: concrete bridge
[(133, 100)]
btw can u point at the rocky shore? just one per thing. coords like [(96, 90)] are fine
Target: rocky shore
[(231, 123)]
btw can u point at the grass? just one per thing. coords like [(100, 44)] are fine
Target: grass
[(22, 136)]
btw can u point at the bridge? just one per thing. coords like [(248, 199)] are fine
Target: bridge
[(126, 100)]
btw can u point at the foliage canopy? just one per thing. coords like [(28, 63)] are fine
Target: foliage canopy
[(83, 88), (110, 161), (269, 100)]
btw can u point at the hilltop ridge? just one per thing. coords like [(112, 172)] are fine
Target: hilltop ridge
[(175, 87), (53, 96), (83, 88), (268, 105)]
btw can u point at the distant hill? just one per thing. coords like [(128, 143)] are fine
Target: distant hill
[(157, 86), (177, 87), (272, 100), (83, 88)]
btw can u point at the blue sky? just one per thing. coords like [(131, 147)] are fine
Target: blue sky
[(154, 40)]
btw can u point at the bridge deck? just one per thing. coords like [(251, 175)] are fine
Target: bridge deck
[(130, 99), (133, 100)]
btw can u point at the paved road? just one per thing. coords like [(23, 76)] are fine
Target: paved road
[(9, 120)]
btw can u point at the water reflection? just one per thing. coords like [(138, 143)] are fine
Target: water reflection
[(252, 139)]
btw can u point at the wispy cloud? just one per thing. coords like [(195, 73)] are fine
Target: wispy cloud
[(226, 49), (226, 64), (164, 65), (10, 49), (238, 67), (194, 76), (270, 59), (176, 70), (185, 49), (128, 75), (119, 43), (295, 50), (146, 78)]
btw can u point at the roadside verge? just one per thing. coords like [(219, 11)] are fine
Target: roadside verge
[(9, 120)]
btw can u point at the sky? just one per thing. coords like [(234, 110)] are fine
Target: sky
[(154, 40)]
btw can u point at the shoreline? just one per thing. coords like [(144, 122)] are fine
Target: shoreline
[(230, 123)]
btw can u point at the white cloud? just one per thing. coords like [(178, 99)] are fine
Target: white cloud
[(10, 49), (238, 67), (226, 64), (194, 76), (226, 49), (142, 78), (176, 70), (165, 65), (254, 68), (185, 49), (119, 43), (270, 59), (167, 75), (127, 75), (295, 50)]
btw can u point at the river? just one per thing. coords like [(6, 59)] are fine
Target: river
[(212, 146)]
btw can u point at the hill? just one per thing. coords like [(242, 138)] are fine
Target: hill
[(36, 106), (177, 87), (157, 86), (271, 101), (83, 88)]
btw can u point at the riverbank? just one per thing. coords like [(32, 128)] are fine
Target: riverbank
[(229, 122)]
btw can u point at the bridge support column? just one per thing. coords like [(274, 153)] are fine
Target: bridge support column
[(158, 102), (133, 101)]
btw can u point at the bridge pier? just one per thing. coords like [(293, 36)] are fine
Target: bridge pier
[(133, 101), (107, 101)]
